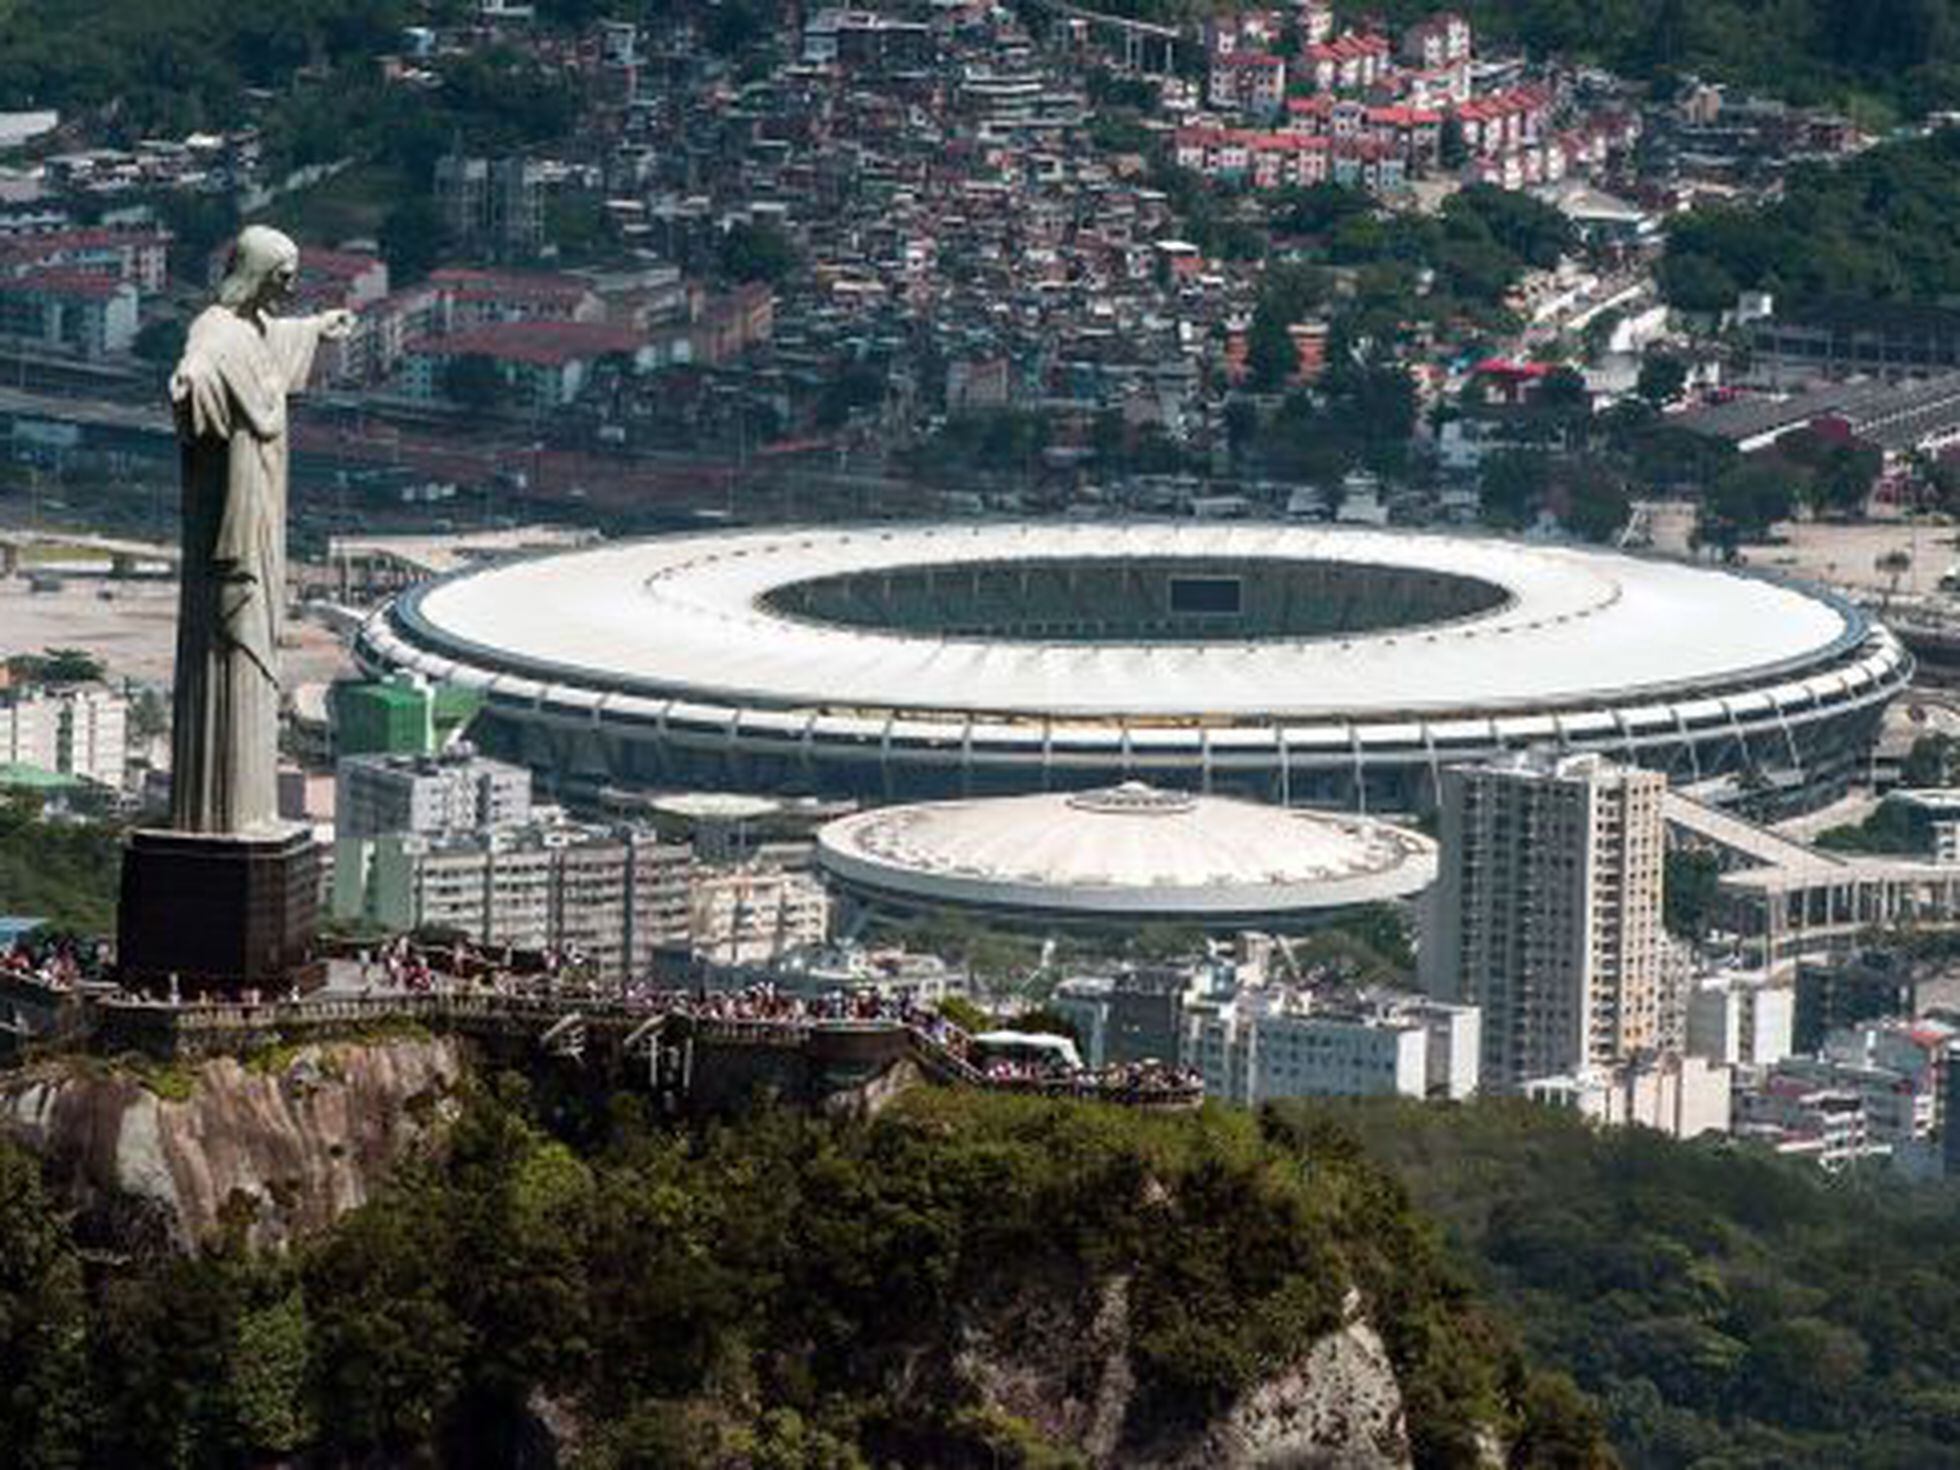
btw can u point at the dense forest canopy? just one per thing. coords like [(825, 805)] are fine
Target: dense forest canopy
[(148, 69), (782, 1291), (1728, 1309)]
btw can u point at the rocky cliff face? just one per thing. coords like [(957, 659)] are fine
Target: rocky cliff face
[(283, 1146), (1338, 1407)]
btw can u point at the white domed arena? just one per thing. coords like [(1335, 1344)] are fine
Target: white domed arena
[(1114, 858), (1302, 665)]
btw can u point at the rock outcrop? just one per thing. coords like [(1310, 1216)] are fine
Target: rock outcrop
[(1338, 1407), (282, 1145)]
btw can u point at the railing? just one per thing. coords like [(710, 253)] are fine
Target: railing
[(203, 1022)]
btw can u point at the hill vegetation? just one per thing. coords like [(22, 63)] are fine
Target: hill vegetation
[(64, 872), (1884, 57), (781, 1291), (1727, 1308), (1884, 226)]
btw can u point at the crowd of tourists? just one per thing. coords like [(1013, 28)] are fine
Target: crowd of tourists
[(402, 966), (56, 961)]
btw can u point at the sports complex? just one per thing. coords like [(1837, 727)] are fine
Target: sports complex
[(1114, 858), (1290, 663)]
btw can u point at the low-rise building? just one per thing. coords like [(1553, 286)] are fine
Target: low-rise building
[(1350, 62), (605, 897), (1874, 1090), (1247, 81), (1837, 338), (493, 203), (71, 730), (542, 365), (755, 914), (865, 40), (1741, 1018), (1683, 1097), (1800, 1118), (429, 795), (136, 258), (1135, 1014), (1275, 1041), (69, 311)]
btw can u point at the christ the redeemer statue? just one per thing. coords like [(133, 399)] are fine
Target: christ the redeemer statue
[(229, 393)]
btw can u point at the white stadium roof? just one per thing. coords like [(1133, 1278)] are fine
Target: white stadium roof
[(899, 661), (1126, 851), (683, 619)]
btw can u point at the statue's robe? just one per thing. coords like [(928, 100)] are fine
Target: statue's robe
[(229, 395)]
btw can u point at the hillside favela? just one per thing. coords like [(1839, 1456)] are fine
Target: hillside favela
[(980, 735)]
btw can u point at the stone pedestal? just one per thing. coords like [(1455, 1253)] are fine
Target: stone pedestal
[(221, 913)]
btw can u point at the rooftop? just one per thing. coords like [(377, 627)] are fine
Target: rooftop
[(1132, 847), (702, 617)]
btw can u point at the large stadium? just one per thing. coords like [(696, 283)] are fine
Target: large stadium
[(1294, 664)]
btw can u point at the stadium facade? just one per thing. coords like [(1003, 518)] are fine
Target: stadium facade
[(1295, 664)]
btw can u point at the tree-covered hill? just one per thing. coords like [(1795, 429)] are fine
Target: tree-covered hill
[(781, 1291), (64, 872), (1883, 58), (1884, 226), (1899, 56), (1728, 1309)]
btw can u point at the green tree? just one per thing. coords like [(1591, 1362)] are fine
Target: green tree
[(1512, 485), (1594, 503), (269, 1367), (1689, 880), (44, 1387), (1696, 282), (390, 1347), (1929, 762), (756, 252), (1662, 378), (160, 342), (1748, 499), (411, 239), (1271, 356), (1564, 391), (475, 381), (964, 1014), (1452, 152)]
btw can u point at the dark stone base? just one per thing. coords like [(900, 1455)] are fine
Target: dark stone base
[(220, 913)]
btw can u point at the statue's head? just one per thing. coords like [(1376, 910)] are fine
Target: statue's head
[(261, 269)]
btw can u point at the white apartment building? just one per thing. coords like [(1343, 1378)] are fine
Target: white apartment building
[(1270, 1042), (1547, 912), (77, 730), (1739, 1018), (456, 791), (752, 915), (1683, 1097), (609, 895), (1801, 1118)]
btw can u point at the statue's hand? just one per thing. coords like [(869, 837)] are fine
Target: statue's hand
[(336, 324)]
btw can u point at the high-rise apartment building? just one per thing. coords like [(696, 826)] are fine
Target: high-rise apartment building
[(1547, 912)]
